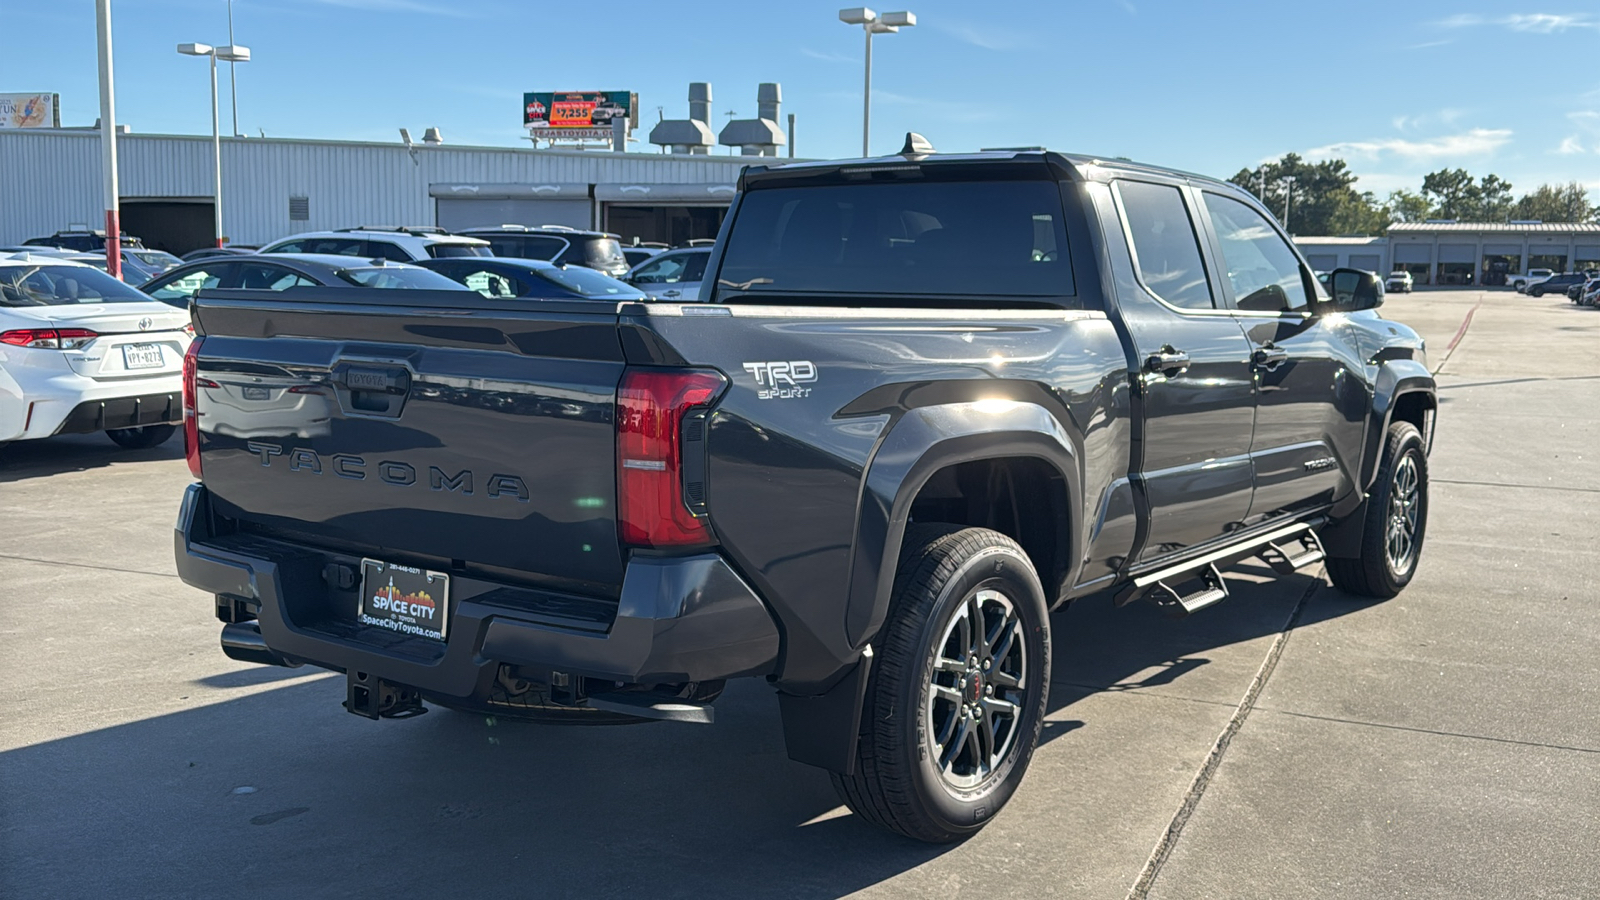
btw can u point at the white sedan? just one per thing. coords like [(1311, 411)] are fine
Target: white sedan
[(82, 352)]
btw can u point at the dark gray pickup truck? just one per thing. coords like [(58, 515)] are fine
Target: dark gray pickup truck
[(928, 398)]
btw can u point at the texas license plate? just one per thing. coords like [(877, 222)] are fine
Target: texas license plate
[(141, 356), (257, 393), (404, 599)]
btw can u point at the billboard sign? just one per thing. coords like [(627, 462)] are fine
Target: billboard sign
[(30, 111), (579, 110)]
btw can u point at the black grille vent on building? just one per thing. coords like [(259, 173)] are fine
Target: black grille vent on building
[(299, 209)]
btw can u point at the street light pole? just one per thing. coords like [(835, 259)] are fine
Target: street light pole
[(1288, 198), (233, 75), (872, 23), (232, 53), (108, 140)]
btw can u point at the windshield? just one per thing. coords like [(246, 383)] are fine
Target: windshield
[(604, 251), (589, 283), (917, 240), (443, 251), (408, 277), (61, 285), (157, 258)]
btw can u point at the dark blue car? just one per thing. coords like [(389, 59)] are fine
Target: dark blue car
[(498, 276)]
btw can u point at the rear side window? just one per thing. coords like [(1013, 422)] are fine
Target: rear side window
[(1263, 270), (399, 277), (1165, 249), (62, 286), (386, 250), (185, 286), (449, 251), (914, 243), (266, 277)]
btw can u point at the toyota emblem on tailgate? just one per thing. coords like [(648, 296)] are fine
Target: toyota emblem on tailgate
[(145, 323)]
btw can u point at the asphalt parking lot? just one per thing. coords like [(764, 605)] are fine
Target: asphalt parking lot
[(1291, 742)]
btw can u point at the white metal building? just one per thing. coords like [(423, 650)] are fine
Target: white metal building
[(1484, 253), (1328, 253), (271, 187)]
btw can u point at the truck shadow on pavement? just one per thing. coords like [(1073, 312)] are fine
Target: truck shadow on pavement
[(272, 789), (23, 460)]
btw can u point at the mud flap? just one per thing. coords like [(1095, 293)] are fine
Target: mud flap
[(823, 730)]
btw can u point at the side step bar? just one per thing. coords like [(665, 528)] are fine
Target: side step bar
[(1285, 550), (646, 708)]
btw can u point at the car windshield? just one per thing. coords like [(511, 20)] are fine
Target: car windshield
[(157, 258), (62, 285), (922, 241), (588, 283), (443, 251), (407, 277), (604, 251)]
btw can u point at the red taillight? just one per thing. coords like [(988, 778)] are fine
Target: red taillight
[(191, 418), (652, 494), (48, 338)]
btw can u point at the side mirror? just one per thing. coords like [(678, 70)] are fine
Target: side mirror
[(1354, 290)]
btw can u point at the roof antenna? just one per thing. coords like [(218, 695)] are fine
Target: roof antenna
[(916, 145)]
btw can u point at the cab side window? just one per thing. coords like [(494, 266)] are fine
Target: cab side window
[(667, 269), (1263, 270), (1166, 251), (186, 286)]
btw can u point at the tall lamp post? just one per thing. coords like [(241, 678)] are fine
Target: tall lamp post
[(232, 53), (1288, 198), (872, 24), (108, 140)]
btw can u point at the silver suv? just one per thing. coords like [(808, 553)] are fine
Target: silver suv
[(402, 244)]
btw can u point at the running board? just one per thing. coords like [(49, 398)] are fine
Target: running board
[(646, 707), (1287, 558), (1158, 587)]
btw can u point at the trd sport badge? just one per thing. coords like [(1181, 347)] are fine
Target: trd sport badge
[(781, 380)]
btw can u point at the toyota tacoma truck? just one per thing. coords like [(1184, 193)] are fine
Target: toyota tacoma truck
[(926, 399)]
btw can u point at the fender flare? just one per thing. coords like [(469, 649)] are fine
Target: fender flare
[(922, 442), (1395, 379)]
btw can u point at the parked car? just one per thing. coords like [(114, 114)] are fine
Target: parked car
[(597, 250), (82, 352), (1398, 280), (402, 244), (82, 240), (533, 279), (205, 252), (674, 275), (282, 271), (1555, 284), (1580, 293), (1591, 294), (136, 265), (863, 473), (1534, 276), (636, 255)]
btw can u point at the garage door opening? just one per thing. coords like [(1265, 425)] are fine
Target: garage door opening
[(176, 225), (674, 226)]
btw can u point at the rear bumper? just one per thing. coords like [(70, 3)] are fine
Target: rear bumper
[(123, 412), (677, 620)]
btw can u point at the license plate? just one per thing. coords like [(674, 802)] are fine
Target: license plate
[(141, 356), (257, 393), (404, 599)]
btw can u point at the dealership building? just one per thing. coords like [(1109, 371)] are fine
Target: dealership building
[(1459, 253), (272, 187)]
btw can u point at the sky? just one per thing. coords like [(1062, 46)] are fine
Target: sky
[(1397, 89)]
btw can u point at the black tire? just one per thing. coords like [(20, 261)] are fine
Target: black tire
[(1536, 291), (906, 779), (142, 438), (1377, 572)]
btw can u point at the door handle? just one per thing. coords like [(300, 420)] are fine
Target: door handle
[(672, 293), (1167, 361), (1269, 356)]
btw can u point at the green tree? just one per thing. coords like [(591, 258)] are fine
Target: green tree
[(1556, 203), (1454, 194), (1405, 206), (1321, 200)]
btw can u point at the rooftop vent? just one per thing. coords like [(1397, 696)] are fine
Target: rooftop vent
[(760, 136), (691, 135)]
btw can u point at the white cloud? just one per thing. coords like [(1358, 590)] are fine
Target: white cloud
[(1476, 142), (828, 57), (986, 38), (1442, 117), (1570, 145), (1530, 23)]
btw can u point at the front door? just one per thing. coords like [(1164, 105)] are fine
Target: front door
[(1194, 383), (1311, 403)]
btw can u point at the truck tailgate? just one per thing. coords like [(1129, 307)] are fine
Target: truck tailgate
[(433, 428)]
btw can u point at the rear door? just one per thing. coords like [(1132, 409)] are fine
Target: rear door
[(434, 428), (1311, 402), (1194, 381)]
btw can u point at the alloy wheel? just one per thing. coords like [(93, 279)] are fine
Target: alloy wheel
[(1405, 501), (976, 697)]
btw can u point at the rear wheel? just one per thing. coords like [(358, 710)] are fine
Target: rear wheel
[(958, 687), (1396, 521), (143, 437)]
